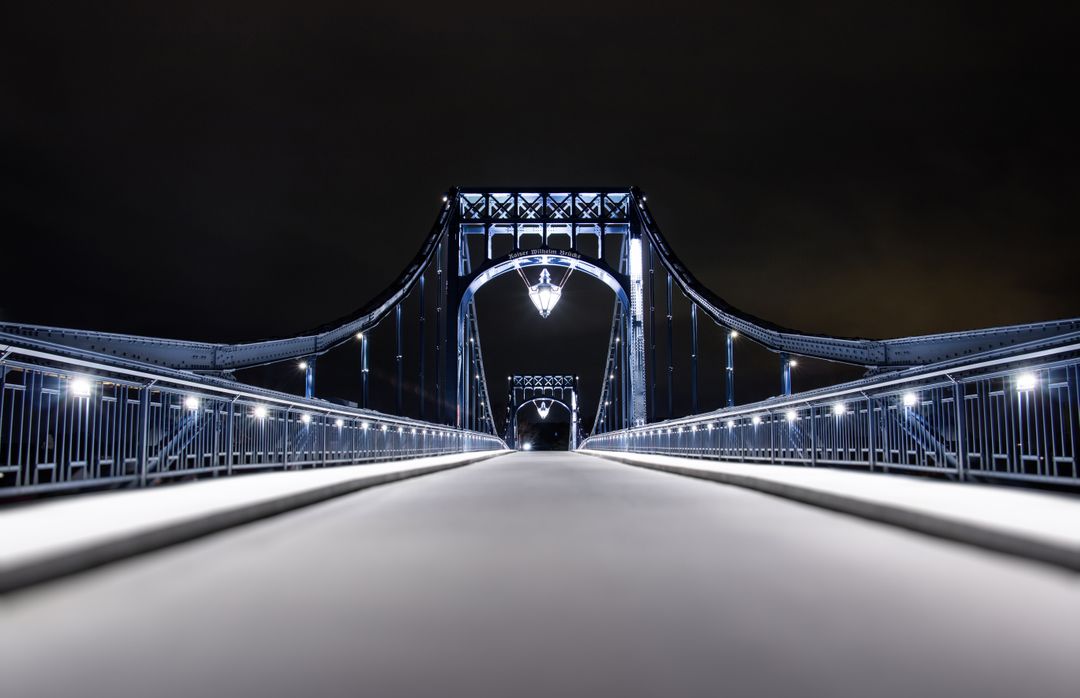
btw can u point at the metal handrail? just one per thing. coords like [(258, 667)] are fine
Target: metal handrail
[(1009, 415), (77, 422)]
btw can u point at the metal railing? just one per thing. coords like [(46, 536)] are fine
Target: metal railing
[(1005, 417), (73, 422)]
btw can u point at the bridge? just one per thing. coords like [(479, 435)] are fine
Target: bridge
[(901, 525)]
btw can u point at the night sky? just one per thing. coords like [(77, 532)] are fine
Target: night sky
[(242, 170)]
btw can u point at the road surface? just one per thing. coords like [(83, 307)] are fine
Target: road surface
[(551, 575)]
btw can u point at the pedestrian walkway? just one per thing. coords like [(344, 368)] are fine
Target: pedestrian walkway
[(59, 536), (1039, 525)]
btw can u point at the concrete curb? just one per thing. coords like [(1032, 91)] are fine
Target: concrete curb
[(998, 540), (68, 562)]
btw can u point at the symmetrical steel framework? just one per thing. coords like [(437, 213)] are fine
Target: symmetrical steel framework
[(592, 231), (541, 391), (479, 234)]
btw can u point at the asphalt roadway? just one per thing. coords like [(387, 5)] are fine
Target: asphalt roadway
[(551, 575)]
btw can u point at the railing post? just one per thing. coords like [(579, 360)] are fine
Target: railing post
[(325, 419), (813, 437), (285, 440), (215, 447), (144, 431), (871, 457), (961, 430), (772, 437), (229, 438)]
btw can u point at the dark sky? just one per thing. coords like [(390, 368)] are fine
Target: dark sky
[(235, 170)]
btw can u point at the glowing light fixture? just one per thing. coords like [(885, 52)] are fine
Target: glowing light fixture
[(191, 403), (305, 418), (909, 399), (545, 294), (339, 423), (734, 334), (756, 420), (526, 447), (1026, 381), (259, 412), (80, 387), (302, 365), (731, 424), (839, 409), (791, 415)]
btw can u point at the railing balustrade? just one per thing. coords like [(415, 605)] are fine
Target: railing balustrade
[(71, 424), (1012, 418)]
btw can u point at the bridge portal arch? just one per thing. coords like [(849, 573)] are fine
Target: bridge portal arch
[(524, 390), (548, 217), (540, 402)]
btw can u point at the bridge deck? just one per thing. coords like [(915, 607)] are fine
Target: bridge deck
[(542, 575)]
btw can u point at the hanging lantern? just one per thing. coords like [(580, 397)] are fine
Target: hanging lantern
[(545, 294)]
